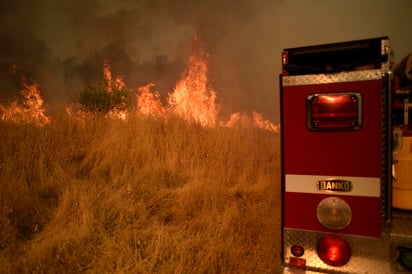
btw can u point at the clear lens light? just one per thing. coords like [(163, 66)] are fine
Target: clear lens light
[(334, 213)]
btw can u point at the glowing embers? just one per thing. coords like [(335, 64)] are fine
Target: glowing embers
[(334, 213), (334, 111), (333, 250)]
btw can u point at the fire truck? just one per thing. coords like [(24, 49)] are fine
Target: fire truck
[(346, 146)]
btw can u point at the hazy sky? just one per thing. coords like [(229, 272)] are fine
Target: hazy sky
[(62, 44)]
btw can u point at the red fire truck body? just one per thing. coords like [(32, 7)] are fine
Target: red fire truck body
[(337, 161)]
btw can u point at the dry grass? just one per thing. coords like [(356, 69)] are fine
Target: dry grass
[(142, 196)]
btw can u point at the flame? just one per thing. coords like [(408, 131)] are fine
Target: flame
[(148, 103), (260, 122), (75, 110), (256, 120), (107, 77), (31, 110), (192, 99), (110, 85), (118, 114), (108, 81)]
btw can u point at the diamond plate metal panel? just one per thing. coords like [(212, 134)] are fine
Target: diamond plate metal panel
[(401, 236), (369, 255), (348, 76)]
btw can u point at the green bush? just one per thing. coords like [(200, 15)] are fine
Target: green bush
[(100, 99)]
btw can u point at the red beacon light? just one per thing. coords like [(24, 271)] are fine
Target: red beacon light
[(333, 250)]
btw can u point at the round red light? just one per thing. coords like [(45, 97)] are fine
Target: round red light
[(297, 250), (333, 250)]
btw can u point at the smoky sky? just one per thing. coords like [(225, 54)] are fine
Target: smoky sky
[(63, 45)]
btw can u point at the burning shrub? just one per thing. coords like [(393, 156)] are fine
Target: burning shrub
[(101, 99), (110, 96)]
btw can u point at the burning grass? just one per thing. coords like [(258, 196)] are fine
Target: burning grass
[(138, 196)]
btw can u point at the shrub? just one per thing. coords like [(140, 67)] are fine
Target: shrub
[(103, 99)]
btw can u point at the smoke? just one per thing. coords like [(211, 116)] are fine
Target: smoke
[(62, 45)]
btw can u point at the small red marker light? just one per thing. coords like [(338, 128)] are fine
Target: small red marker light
[(297, 250), (333, 250), (297, 262)]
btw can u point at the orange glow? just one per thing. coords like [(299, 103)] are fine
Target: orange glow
[(76, 112), (111, 84), (192, 99), (245, 120), (30, 111), (148, 103), (264, 124), (118, 114)]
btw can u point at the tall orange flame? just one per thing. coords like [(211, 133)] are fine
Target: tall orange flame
[(192, 99), (109, 83), (31, 110)]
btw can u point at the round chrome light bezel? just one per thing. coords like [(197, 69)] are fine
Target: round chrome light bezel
[(334, 213)]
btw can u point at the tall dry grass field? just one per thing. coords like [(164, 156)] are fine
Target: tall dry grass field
[(138, 196)]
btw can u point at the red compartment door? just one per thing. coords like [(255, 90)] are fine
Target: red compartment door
[(310, 156)]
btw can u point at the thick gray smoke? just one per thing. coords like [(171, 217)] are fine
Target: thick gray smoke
[(62, 45)]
